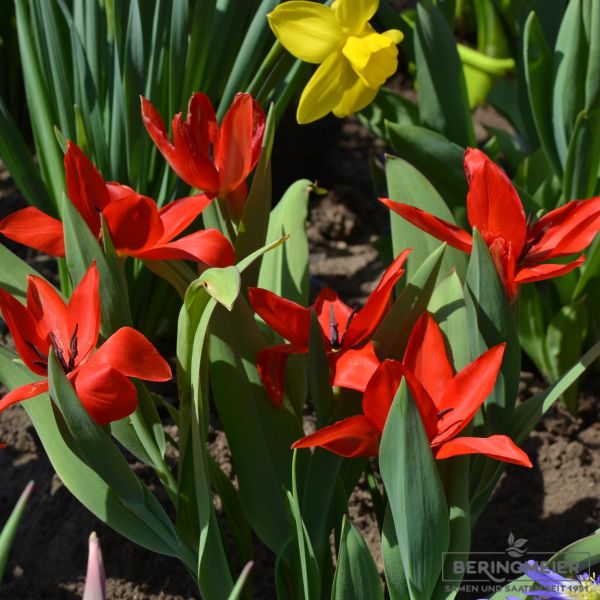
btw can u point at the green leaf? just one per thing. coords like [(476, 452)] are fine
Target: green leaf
[(538, 65), (443, 101), (82, 249), (392, 334), (415, 494), (258, 433), (285, 272), (253, 227), (13, 273), (407, 185), (396, 584), (19, 162), (221, 284), (564, 340), (236, 592), (491, 323), (81, 480), (356, 575), (583, 157), (389, 107), (570, 56), (9, 531), (440, 160)]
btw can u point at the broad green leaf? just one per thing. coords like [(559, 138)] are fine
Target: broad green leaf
[(532, 329), (570, 59), (9, 530), (491, 323), (221, 284), (392, 334), (583, 157), (439, 159), (415, 494), (395, 580), (81, 480), (389, 107), (408, 185), (591, 21), (538, 66), (82, 249), (356, 575), (443, 101), (285, 272), (13, 273), (258, 433)]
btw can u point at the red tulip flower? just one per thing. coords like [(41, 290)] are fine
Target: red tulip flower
[(346, 332), (446, 402), (137, 227), (71, 330), (216, 160), (520, 247)]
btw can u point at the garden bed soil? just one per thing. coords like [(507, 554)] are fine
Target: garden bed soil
[(550, 505)]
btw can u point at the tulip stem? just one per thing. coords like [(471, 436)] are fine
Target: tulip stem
[(176, 272)]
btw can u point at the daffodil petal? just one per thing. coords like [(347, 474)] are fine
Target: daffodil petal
[(374, 57), (353, 15), (354, 98), (395, 35), (308, 30), (325, 88)]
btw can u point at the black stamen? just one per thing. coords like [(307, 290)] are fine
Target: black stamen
[(43, 358), (73, 348), (333, 329), (351, 316), (60, 355), (444, 412)]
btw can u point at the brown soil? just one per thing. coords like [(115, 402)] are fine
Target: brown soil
[(550, 505)]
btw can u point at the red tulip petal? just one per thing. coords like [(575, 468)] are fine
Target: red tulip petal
[(23, 327), (105, 392), (117, 190), (270, 363), (202, 122), (425, 404), (85, 186), (130, 353), (468, 391), (380, 391), (505, 262), (23, 393), (333, 315), (133, 222), (499, 447), (31, 227), (236, 200), (493, 205), (438, 228), (209, 247), (546, 271), (190, 161), (366, 320), (353, 368), (239, 141), (427, 359), (290, 320), (85, 311), (50, 312), (188, 154), (566, 230), (180, 214), (351, 437)]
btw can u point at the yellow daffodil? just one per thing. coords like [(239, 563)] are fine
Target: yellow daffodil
[(354, 59)]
